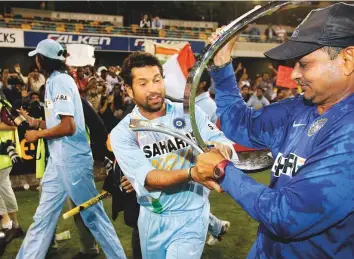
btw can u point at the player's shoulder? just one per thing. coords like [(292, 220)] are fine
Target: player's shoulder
[(293, 105), (122, 128), (63, 79)]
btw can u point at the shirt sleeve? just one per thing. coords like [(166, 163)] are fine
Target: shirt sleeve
[(319, 196), (250, 101), (210, 132), (131, 159), (63, 95), (265, 102), (263, 128)]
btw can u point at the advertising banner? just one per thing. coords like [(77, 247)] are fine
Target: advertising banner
[(12, 38), (105, 42)]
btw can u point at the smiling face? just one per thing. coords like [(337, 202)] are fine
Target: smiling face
[(147, 90), (322, 79)]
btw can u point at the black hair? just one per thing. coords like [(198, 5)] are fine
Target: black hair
[(205, 77), (245, 86), (138, 59), (260, 88), (48, 65)]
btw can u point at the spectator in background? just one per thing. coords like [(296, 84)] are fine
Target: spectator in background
[(34, 81), (17, 95), (282, 94), (258, 100), (89, 71), (8, 203), (281, 33), (293, 92), (109, 77), (269, 33), (42, 5), (4, 82), (93, 92), (257, 82), (102, 72), (34, 107), (107, 112), (245, 92), (254, 33), (80, 80), (112, 79), (118, 69), (119, 101), (244, 79), (203, 99), (156, 25), (145, 22), (267, 85)]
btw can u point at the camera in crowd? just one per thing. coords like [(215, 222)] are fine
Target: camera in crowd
[(9, 148), (11, 117)]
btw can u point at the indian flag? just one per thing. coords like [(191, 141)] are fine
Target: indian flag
[(176, 72), (177, 59)]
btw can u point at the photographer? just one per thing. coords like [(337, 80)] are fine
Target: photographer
[(11, 86), (34, 107), (9, 151), (34, 81), (107, 111)]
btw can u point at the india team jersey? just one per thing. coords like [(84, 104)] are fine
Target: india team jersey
[(62, 98), (137, 153), (307, 211)]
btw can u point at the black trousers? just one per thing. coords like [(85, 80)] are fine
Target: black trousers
[(136, 244)]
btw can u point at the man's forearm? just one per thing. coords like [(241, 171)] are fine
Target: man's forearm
[(42, 124), (162, 179), (4, 126), (61, 130)]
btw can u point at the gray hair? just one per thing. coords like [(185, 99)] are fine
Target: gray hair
[(332, 52)]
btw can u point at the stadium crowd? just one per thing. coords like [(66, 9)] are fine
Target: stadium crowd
[(103, 88)]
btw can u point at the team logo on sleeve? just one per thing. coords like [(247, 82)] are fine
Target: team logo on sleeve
[(316, 126), (179, 123), (48, 104), (62, 97)]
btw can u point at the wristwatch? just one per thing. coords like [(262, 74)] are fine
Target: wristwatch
[(219, 170)]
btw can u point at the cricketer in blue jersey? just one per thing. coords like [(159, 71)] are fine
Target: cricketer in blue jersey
[(307, 211), (69, 171), (174, 212)]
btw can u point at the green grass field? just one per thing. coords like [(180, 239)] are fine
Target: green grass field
[(235, 244)]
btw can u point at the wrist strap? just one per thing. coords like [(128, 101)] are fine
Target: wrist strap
[(217, 68), (190, 179)]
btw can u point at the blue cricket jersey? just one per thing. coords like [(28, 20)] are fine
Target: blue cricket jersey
[(62, 98), (307, 211), (137, 153)]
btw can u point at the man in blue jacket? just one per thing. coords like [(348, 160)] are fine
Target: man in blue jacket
[(307, 211)]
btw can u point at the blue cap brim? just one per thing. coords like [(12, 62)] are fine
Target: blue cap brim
[(32, 53), (292, 50)]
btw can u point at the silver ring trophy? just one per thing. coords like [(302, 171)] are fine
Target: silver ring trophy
[(251, 161)]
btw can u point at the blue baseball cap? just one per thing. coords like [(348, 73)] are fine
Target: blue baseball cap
[(50, 49), (332, 26)]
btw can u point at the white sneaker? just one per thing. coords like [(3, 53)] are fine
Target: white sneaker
[(214, 240)]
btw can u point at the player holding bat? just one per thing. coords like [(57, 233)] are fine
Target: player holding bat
[(69, 171)]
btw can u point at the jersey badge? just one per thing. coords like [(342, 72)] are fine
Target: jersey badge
[(316, 126), (179, 123)]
